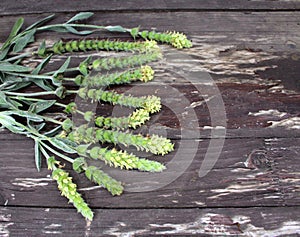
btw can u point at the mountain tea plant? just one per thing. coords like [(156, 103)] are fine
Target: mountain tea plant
[(60, 140)]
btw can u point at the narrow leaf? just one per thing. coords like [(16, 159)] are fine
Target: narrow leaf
[(53, 131), (4, 52), (76, 32), (63, 145), (63, 68), (41, 106), (8, 67), (25, 114), (3, 101), (16, 86), (37, 155), (80, 16), (10, 123), (39, 126), (43, 84), (17, 26), (116, 28), (6, 102), (42, 49), (60, 29), (14, 104), (24, 40), (41, 65), (40, 22)]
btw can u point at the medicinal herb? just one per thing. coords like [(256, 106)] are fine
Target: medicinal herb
[(59, 139)]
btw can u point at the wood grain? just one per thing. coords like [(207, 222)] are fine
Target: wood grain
[(249, 52), (275, 31), (249, 172), (244, 222), (30, 6)]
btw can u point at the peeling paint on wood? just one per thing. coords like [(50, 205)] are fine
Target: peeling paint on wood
[(5, 224), (31, 182)]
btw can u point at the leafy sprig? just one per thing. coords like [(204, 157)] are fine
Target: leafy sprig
[(23, 112)]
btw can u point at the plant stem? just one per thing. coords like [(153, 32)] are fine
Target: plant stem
[(96, 27), (23, 55), (47, 156), (30, 75), (72, 91), (30, 94), (57, 153), (72, 69)]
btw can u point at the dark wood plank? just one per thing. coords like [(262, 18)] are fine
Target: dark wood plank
[(242, 222), (275, 31), (248, 172), (30, 6), (253, 83)]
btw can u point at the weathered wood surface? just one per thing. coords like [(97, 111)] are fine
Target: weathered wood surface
[(249, 172), (250, 49), (244, 222), (30, 6)]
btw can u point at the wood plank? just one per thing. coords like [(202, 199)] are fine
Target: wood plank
[(30, 6), (254, 222), (273, 31), (243, 110), (256, 89), (248, 172)]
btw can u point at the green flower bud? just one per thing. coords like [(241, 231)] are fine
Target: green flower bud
[(60, 92), (69, 190), (176, 39), (88, 116), (79, 164), (147, 73), (67, 125), (98, 176), (84, 45), (71, 108), (82, 149), (125, 160)]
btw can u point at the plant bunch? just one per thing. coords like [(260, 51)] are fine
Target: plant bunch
[(58, 139)]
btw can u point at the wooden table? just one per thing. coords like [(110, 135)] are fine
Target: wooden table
[(246, 55)]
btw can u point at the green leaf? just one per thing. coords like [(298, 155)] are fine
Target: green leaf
[(6, 102), (42, 49), (41, 65), (8, 67), (10, 123), (36, 127), (37, 155), (134, 32), (53, 131), (116, 28), (21, 42), (80, 16), (16, 86), (63, 144), (60, 29), (26, 114), (76, 32), (14, 103), (40, 22), (41, 106), (79, 164), (17, 26), (43, 84), (3, 101), (4, 52), (63, 68)]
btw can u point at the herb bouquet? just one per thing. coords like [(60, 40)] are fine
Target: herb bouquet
[(58, 139)]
